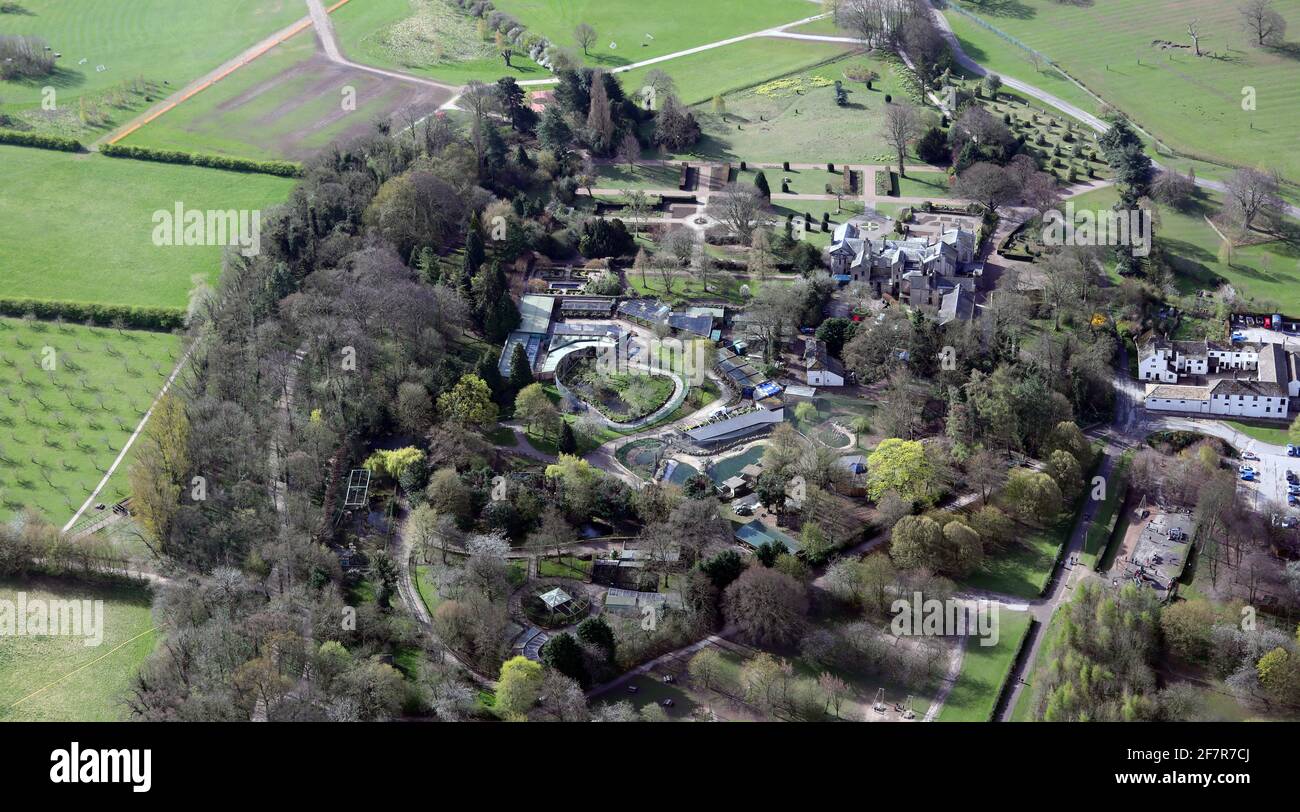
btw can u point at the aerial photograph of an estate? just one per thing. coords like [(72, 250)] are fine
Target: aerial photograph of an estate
[(777, 361)]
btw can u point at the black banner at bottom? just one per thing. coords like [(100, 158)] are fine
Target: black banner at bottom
[(333, 762)]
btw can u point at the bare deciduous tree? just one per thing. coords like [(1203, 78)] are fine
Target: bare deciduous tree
[(1253, 192), (900, 127), (585, 36), (1262, 22)]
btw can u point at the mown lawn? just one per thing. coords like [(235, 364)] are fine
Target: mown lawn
[(59, 678), (81, 227), (1022, 570), (984, 669), (1264, 434), (70, 396), (795, 118), (718, 71), (924, 184)]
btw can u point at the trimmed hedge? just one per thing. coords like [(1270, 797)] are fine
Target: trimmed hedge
[(285, 169), (39, 141), (158, 319)]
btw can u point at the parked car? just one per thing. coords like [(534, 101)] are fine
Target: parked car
[(1292, 450), (1249, 455), (1247, 476), (1292, 499), (1238, 337), (1291, 477)]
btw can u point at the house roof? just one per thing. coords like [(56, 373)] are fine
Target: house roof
[(1171, 392), (958, 305), (737, 426)]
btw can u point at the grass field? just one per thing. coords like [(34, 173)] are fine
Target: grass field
[(1264, 434), (629, 31), (58, 678), (1193, 104), (924, 184), (794, 118), (172, 41), (1022, 570), (984, 669), (1270, 271), (80, 227), (61, 429), (409, 35), (716, 72), (432, 38), (286, 104)]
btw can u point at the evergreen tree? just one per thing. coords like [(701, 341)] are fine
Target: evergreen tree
[(475, 253), (568, 443), (521, 374), (760, 183)]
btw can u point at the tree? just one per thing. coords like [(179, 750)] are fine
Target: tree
[(469, 403), (629, 150), (660, 82), (600, 116), (585, 36), (414, 407), (1263, 23), (760, 183), (987, 184), (595, 632), (1033, 496), (563, 653), (986, 472), (568, 443), (901, 125), (534, 406), (521, 372), (759, 260), (1186, 626), (553, 532), (1194, 31), (723, 568), (964, 550), (739, 207), (707, 667), (917, 543), (554, 132), (517, 690), (767, 607), (1253, 192), (675, 127), (901, 466), (162, 462), (834, 690), (1064, 469), (1173, 189)]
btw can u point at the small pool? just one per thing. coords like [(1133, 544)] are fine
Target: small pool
[(680, 472)]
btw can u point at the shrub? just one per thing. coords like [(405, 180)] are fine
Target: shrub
[(284, 169), (160, 319), (40, 141)]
